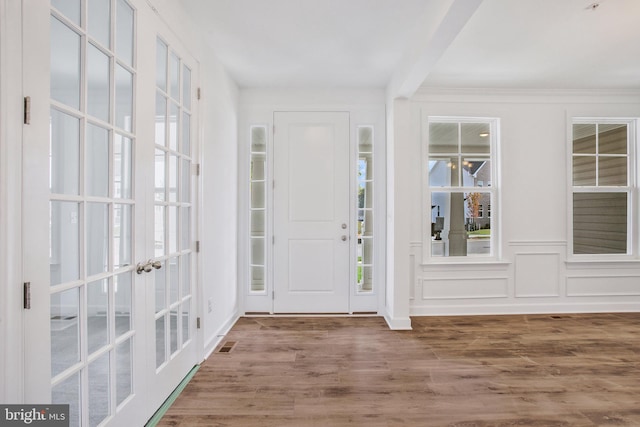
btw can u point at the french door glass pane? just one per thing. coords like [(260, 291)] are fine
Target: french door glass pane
[(161, 65), (186, 87), (97, 83), (97, 314), (122, 235), (186, 274), (64, 251), (174, 280), (65, 330), (173, 331), (123, 303), (160, 341), (159, 212), (99, 390), (124, 377), (174, 76), (160, 173), (173, 229), (65, 64), (186, 181), (97, 166), (124, 32), (69, 8), (68, 392), (64, 155), (124, 98), (161, 287), (186, 320), (186, 228), (99, 25), (161, 119), (186, 134), (174, 123), (173, 178), (122, 167), (97, 217)]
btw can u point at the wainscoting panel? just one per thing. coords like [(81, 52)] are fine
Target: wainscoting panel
[(537, 275), (464, 288), (595, 286)]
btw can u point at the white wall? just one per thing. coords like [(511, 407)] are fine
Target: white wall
[(534, 273)]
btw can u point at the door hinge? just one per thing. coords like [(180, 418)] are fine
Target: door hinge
[(27, 296), (273, 295), (197, 323), (27, 110), (273, 240), (199, 94), (197, 246), (196, 169)]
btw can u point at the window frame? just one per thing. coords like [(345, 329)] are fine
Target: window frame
[(491, 186), (631, 189)]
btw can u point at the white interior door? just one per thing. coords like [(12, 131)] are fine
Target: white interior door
[(311, 212)]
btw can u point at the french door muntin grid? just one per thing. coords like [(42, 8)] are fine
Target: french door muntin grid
[(172, 204), (92, 350)]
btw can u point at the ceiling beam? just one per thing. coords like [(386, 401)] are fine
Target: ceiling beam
[(435, 35)]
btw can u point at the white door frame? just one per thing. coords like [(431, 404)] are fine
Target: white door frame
[(259, 112)]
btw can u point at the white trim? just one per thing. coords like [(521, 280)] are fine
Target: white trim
[(398, 323), (219, 335), (524, 309)]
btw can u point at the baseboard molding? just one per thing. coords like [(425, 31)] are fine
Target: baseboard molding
[(398, 323), (219, 335), (470, 310)]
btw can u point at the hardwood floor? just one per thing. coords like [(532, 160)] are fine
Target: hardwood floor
[(542, 370)]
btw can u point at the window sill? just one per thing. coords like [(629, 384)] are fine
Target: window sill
[(470, 265), (600, 263)]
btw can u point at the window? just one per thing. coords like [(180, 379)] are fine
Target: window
[(461, 167), (602, 186)]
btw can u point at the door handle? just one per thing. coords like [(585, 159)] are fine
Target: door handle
[(344, 226), (148, 266), (343, 238)]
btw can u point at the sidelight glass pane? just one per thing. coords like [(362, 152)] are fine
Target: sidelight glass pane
[(69, 8), (97, 83), (584, 170), (161, 119), (600, 223), (174, 125), (612, 171), (159, 213), (257, 223), (124, 374), (173, 330), (99, 390), (67, 392), (160, 280), (97, 166), (186, 134), (160, 341), (65, 330), (123, 303), (257, 279), (122, 235), (97, 231), (64, 154), (257, 195), (475, 138), (174, 76), (161, 65), (124, 98), (186, 275), (124, 32), (612, 138), (258, 139), (173, 178), (64, 240), (186, 320), (186, 87), (122, 167), (365, 139), (65, 63), (257, 251), (186, 181), (173, 229), (97, 314), (443, 138), (444, 172), (99, 26), (160, 173)]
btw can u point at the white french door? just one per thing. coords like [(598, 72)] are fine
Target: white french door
[(311, 212), (111, 329)]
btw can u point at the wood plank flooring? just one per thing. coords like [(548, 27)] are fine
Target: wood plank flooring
[(542, 370)]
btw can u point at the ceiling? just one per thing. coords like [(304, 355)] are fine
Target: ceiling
[(364, 43)]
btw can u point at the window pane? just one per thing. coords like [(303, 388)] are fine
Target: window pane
[(600, 223), (97, 237), (122, 167), (97, 83), (65, 64), (612, 139), (64, 159), (64, 239), (122, 241), (161, 65), (124, 374), (99, 26), (444, 172), (457, 229), (69, 8), (99, 390), (443, 138), (475, 138), (123, 303), (584, 170), (124, 98), (584, 138), (124, 32), (476, 172), (68, 393), (97, 167), (65, 330), (186, 87), (612, 171), (97, 314)]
